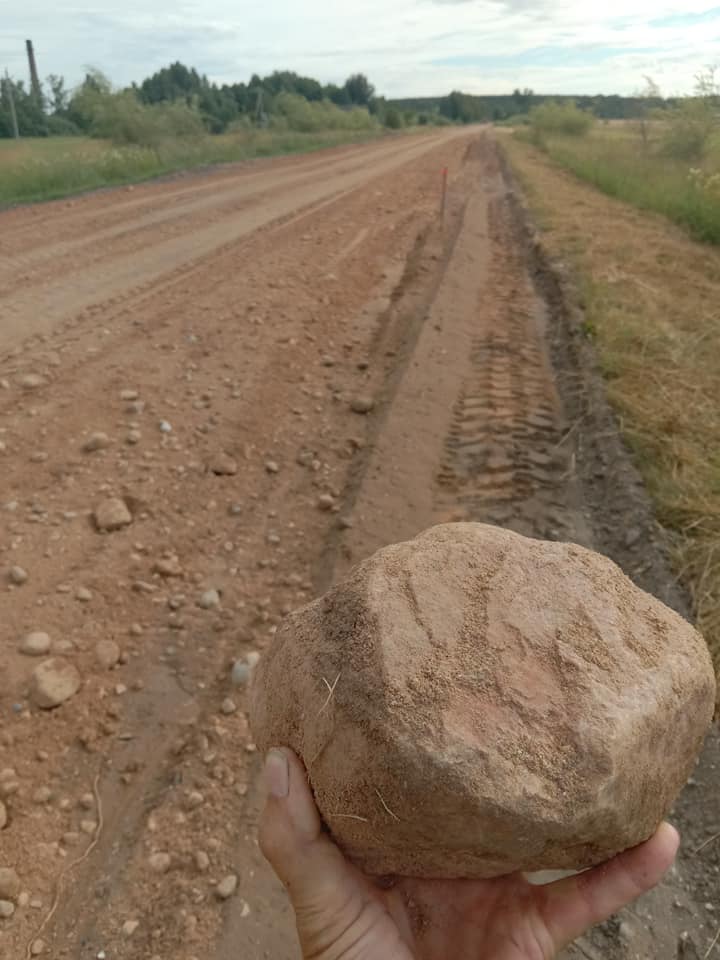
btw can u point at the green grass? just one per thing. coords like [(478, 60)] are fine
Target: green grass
[(45, 169), (615, 161)]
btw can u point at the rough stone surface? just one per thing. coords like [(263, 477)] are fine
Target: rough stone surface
[(473, 703), (53, 682), (112, 514)]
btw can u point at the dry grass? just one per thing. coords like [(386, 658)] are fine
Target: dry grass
[(652, 298)]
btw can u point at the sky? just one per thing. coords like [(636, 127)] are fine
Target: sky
[(406, 47)]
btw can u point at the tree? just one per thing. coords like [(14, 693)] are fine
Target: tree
[(31, 118), (59, 97), (359, 90)]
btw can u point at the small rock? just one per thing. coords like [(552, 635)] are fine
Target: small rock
[(241, 673), (83, 595), (42, 795), (223, 466), (129, 927), (129, 395), (252, 659), (89, 827), (272, 467), (112, 514), (228, 707), (209, 600), (160, 862), (95, 442), (362, 404), (7, 909), (87, 801), (202, 861), (326, 501), (168, 567), (35, 644), (195, 799), (32, 381), (53, 682), (9, 884), (165, 427), (227, 886), (3, 816), (17, 575), (38, 947), (107, 653), (134, 437)]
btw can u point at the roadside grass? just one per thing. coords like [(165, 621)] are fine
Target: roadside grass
[(652, 300), (45, 169), (617, 161)]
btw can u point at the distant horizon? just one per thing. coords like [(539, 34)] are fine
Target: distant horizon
[(482, 47)]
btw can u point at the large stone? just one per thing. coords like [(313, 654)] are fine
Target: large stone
[(9, 884), (473, 703), (112, 514), (53, 682)]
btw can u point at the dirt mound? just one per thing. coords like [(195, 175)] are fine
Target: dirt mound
[(474, 702)]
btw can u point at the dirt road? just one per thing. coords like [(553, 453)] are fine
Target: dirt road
[(199, 349)]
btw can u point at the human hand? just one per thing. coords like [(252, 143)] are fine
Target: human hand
[(343, 915)]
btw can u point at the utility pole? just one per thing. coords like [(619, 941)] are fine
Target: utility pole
[(34, 79), (11, 98)]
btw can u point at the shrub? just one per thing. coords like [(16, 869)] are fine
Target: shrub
[(393, 119), (293, 112), (563, 118)]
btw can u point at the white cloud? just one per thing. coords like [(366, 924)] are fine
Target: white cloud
[(408, 47)]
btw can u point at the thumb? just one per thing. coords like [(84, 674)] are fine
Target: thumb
[(325, 890)]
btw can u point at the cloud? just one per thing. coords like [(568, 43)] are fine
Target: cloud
[(408, 47)]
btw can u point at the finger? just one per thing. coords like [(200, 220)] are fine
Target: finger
[(573, 905), (292, 839)]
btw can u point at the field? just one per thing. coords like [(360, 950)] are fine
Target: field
[(45, 169), (278, 368), (620, 162)]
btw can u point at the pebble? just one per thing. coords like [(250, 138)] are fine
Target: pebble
[(227, 886), (228, 707), (89, 827), (160, 862), (83, 595), (252, 659), (362, 404), (195, 799), (107, 653), (168, 567), (134, 437), (223, 466), (7, 909), (3, 816), (87, 801), (42, 795), (9, 883), (129, 927), (53, 682), (326, 501), (271, 466), (35, 644), (165, 427), (17, 575), (38, 947), (209, 600), (31, 381), (202, 861), (129, 395), (241, 673), (112, 514), (96, 441)]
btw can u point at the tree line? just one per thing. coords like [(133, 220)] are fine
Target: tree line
[(180, 97)]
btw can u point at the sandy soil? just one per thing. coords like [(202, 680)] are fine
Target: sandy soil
[(221, 330)]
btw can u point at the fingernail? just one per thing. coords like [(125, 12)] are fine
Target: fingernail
[(277, 774)]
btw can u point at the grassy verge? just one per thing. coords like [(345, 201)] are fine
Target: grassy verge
[(615, 160), (652, 297), (47, 169)]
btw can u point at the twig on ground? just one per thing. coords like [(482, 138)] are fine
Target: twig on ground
[(712, 945), (706, 844), (68, 869), (347, 816)]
